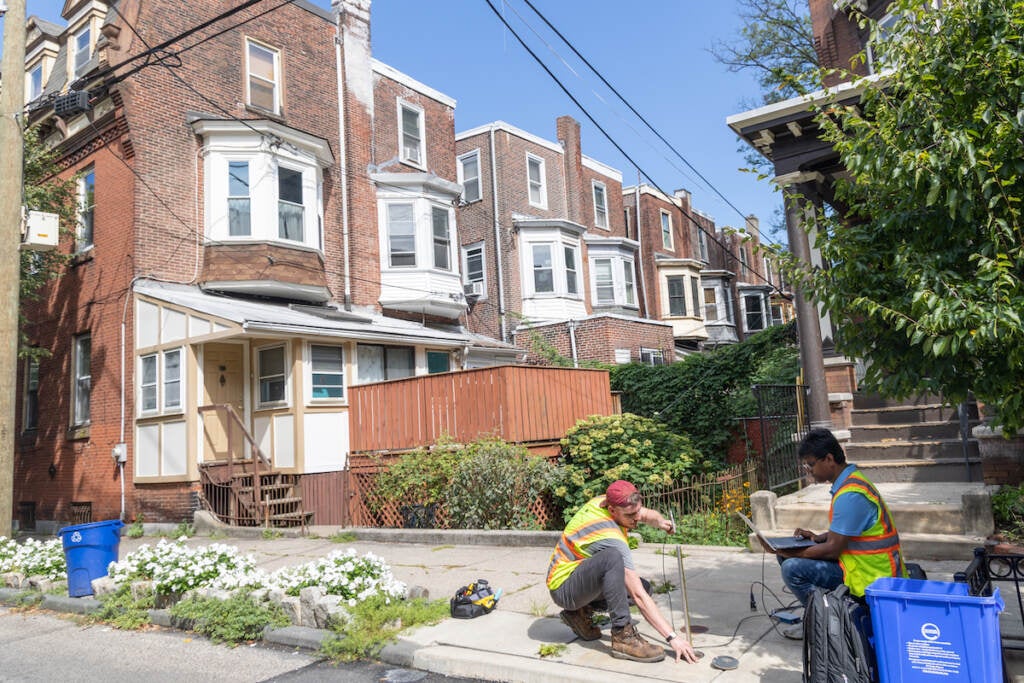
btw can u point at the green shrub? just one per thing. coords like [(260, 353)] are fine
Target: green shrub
[(234, 620), (376, 621), (493, 485), (601, 449), (134, 530), (1008, 511), (702, 395), (417, 477), (122, 611), (710, 528)]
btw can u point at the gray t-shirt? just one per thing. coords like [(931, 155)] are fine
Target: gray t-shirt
[(627, 555)]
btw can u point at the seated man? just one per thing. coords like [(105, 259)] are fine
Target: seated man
[(592, 561), (861, 543)]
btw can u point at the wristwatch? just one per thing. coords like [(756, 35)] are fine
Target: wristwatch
[(670, 636)]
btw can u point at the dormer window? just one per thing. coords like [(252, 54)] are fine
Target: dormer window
[(82, 50), (34, 84)]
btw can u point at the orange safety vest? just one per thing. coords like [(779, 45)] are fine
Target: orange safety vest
[(876, 552)]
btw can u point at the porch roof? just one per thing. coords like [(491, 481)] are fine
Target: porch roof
[(262, 318)]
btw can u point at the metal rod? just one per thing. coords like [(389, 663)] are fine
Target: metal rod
[(682, 590)]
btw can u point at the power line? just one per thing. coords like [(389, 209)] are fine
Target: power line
[(617, 146), (637, 113)]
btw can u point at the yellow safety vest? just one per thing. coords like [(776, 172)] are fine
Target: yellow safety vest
[(876, 552), (592, 523)]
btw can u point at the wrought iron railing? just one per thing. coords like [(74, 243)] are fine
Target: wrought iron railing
[(783, 425)]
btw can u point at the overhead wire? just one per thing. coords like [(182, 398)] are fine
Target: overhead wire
[(624, 153)]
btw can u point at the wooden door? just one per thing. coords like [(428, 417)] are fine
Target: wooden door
[(223, 383)]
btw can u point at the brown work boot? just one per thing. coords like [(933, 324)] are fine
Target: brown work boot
[(581, 621), (627, 643)]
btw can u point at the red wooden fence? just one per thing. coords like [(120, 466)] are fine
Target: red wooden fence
[(520, 404)]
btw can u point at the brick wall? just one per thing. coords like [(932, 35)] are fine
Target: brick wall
[(598, 337)]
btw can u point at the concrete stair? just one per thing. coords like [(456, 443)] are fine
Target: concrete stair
[(913, 452)]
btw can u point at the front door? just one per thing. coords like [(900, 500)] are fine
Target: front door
[(223, 384)]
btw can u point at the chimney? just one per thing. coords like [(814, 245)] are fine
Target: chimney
[(572, 160)]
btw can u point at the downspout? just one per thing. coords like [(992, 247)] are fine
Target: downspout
[(571, 324), (497, 241), (640, 244), (343, 156), (120, 437)]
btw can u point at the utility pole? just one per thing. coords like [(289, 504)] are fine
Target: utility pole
[(12, 101)]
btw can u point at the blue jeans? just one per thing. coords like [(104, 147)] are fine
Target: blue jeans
[(802, 576)]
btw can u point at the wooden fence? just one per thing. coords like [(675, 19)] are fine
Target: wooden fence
[(534, 406)]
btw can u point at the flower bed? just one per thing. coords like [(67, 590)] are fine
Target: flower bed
[(33, 558)]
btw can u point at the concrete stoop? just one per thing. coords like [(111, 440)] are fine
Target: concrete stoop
[(936, 520)]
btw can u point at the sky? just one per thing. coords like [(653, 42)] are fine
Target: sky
[(655, 53)]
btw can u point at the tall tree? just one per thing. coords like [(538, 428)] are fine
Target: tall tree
[(776, 42), (927, 262)]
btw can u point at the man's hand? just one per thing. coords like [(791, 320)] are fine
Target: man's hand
[(683, 650)]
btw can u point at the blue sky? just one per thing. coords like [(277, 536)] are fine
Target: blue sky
[(654, 52)]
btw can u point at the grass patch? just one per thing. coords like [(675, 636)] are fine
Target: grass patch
[(184, 529), (234, 620), (551, 649), (122, 611), (539, 609), (134, 530), (375, 623), (217, 535), (342, 537), (270, 534)]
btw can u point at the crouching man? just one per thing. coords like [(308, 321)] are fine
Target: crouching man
[(593, 562)]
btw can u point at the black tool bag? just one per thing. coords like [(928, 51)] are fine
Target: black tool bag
[(474, 600), (837, 649)]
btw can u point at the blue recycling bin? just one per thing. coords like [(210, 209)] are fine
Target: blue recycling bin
[(89, 549), (931, 631)]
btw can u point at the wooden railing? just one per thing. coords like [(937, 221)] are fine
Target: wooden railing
[(233, 424), (520, 404)]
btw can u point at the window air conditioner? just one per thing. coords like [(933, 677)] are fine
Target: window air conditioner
[(473, 289)]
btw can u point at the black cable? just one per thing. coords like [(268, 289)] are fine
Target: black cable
[(639, 115), (612, 140)]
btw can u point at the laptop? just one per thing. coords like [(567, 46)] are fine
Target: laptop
[(777, 542)]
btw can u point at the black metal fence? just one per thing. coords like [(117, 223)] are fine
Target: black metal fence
[(783, 424)]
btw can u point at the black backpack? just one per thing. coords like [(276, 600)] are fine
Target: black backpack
[(474, 600), (836, 645)]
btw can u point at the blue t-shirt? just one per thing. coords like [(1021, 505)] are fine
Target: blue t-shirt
[(852, 512)]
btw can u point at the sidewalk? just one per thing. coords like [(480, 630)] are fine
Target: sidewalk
[(504, 645)]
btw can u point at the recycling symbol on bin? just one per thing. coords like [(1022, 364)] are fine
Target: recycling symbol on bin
[(76, 537)]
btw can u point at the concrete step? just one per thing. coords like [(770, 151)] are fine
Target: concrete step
[(900, 415), (863, 400), (909, 449), (903, 432), (916, 547), (918, 470)]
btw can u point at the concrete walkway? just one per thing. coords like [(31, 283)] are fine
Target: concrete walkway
[(505, 645)]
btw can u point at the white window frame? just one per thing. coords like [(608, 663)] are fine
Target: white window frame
[(388, 236), (629, 281), (421, 148), (78, 63), (764, 314), (604, 280), (283, 203), (81, 382), (665, 225), (541, 184), (651, 356), (34, 82), (285, 376), (310, 371), (247, 197), (550, 246), (385, 348), (86, 239), (599, 189), (441, 244), (467, 278), (682, 296), (275, 84), (470, 181), (161, 381)]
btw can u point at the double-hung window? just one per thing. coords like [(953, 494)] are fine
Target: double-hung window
[(86, 209), (571, 286), (676, 295), (702, 243), (83, 50), (81, 381), (666, 230), (411, 133), (30, 406), (290, 211), (401, 235), (710, 304), (628, 282), (600, 205), (469, 176), (543, 269), (695, 295), (160, 378), (441, 238), (272, 371), (264, 70), (327, 369), (473, 263), (239, 200), (536, 181), (753, 305), (604, 281)]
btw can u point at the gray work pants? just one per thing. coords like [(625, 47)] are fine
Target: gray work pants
[(601, 576)]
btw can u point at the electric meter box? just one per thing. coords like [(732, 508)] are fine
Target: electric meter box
[(42, 231)]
